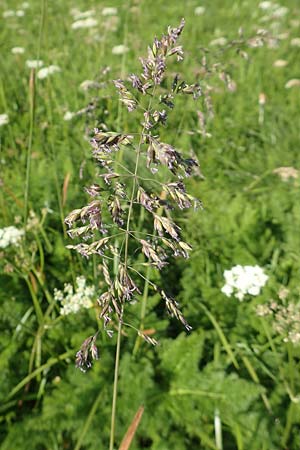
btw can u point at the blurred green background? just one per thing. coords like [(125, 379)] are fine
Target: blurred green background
[(234, 382)]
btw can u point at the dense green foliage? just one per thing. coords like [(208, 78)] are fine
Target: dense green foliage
[(234, 365)]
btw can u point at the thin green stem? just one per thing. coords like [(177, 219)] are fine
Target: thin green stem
[(289, 423), (280, 368), (143, 277), (115, 390), (221, 335), (36, 304), (143, 310), (32, 94), (117, 358), (126, 246), (51, 362), (5, 108), (30, 139), (88, 421), (292, 370)]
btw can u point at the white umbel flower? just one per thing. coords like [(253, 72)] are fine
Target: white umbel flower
[(34, 63), (74, 300), (3, 119), (295, 42), (280, 63), (242, 280), (286, 172), (69, 115), (265, 5), (8, 13), (18, 50), (218, 41), (10, 236), (227, 289), (78, 15), (46, 71), (87, 84), (84, 23), (109, 11), (119, 49), (278, 13), (199, 11)]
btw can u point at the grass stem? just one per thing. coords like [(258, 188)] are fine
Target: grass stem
[(115, 389), (126, 246)]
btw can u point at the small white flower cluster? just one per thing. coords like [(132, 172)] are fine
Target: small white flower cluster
[(34, 63), (295, 42), (10, 236), (68, 115), (279, 63), (89, 22), (72, 301), (88, 84), (265, 5), (11, 13), (3, 119), (199, 10), (285, 173), (109, 11), (78, 15), (119, 49), (46, 71), (275, 9), (218, 41), (242, 280), (18, 50)]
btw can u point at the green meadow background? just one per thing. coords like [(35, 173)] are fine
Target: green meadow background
[(234, 381)]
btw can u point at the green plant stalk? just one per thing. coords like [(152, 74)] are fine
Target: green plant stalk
[(144, 299), (48, 244), (117, 358), (292, 370), (30, 139), (221, 336), (196, 392), (41, 252), (288, 425), (143, 311), (5, 107), (238, 437), (271, 344), (33, 351), (38, 310), (32, 95), (255, 378), (22, 323), (115, 389), (88, 421), (51, 362), (44, 288)]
